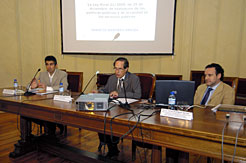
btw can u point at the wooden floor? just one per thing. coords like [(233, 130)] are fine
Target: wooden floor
[(84, 139)]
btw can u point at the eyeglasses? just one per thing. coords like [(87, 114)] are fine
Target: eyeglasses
[(118, 69)]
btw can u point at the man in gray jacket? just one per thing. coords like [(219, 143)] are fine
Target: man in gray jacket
[(114, 85), (115, 88)]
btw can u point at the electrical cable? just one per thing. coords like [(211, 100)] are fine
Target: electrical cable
[(104, 127), (129, 131), (222, 141), (234, 153), (133, 135)]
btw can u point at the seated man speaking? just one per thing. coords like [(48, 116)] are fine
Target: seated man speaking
[(214, 91), (114, 85), (115, 88)]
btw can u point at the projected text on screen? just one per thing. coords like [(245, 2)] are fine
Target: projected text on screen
[(128, 20)]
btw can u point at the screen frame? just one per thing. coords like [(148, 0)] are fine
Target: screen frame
[(115, 53)]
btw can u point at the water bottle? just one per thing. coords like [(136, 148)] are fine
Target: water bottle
[(172, 100), (61, 89), (15, 86)]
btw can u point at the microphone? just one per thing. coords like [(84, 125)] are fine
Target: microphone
[(27, 93), (88, 83), (125, 105), (117, 35)]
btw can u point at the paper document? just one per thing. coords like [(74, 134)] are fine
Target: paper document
[(123, 100), (45, 93), (176, 114), (63, 98)]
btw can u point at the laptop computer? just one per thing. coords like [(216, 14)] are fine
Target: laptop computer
[(184, 91)]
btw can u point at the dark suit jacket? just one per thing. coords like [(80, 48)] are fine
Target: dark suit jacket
[(224, 94), (59, 77), (132, 85)]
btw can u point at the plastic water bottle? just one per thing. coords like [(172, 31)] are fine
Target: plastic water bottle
[(15, 86), (172, 100), (61, 89)]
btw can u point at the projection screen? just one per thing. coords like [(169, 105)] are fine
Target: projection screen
[(118, 26)]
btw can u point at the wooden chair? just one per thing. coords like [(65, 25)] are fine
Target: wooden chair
[(166, 77), (232, 81), (102, 79), (197, 77), (241, 92), (147, 81), (75, 81)]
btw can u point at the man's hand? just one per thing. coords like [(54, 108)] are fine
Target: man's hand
[(34, 83), (114, 94), (42, 85), (94, 91)]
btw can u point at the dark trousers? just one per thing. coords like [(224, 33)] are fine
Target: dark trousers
[(106, 139)]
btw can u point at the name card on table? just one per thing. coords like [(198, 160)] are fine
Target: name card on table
[(63, 98), (177, 114), (9, 91)]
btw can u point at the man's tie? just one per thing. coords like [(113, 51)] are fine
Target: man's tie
[(205, 98), (119, 86)]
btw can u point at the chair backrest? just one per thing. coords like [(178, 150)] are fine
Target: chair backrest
[(75, 81), (241, 92), (147, 81), (102, 79), (168, 77), (197, 77), (241, 89), (232, 81)]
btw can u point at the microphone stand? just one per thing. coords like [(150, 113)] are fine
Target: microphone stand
[(88, 83), (27, 93), (125, 105)]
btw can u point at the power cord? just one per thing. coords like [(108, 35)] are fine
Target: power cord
[(104, 127), (222, 141), (234, 153)]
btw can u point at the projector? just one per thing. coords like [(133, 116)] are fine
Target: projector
[(92, 102)]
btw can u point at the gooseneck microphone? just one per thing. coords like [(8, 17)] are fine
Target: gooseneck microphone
[(88, 83), (27, 93), (125, 105)]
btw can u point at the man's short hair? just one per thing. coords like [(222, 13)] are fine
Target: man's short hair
[(50, 58), (218, 69), (126, 63)]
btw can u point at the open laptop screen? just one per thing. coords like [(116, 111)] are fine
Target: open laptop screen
[(184, 91)]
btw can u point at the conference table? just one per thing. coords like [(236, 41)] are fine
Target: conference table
[(201, 136)]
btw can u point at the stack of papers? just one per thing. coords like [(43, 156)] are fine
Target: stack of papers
[(123, 100), (45, 93), (63, 98)]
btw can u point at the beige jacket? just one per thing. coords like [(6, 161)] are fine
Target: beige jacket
[(224, 94)]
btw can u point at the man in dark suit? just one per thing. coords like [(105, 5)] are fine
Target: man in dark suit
[(115, 88), (114, 85)]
